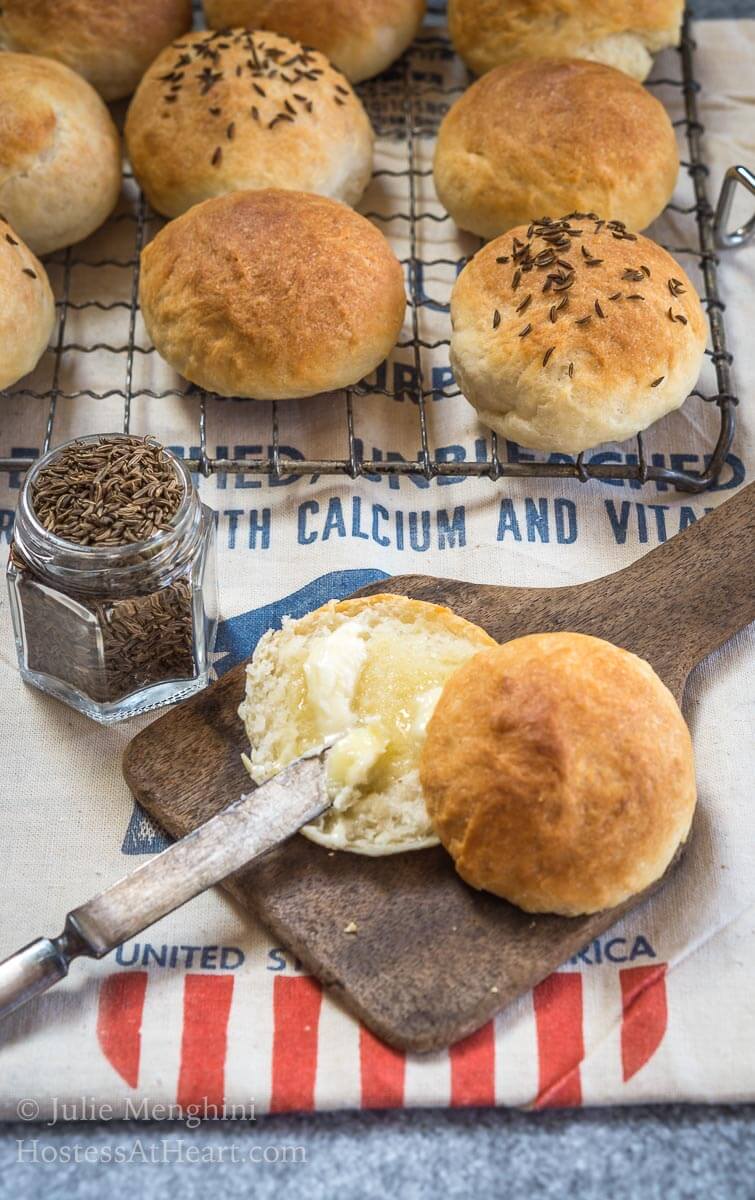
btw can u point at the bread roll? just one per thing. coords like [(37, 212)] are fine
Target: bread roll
[(60, 154), (272, 295), (554, 135), (620, 33), (235, 110), (361, 37), (110, 42), (370, 671), (27, 307), (558, 773), (569, 333)]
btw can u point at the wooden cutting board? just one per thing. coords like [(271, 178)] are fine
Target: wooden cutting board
[(433, 959)]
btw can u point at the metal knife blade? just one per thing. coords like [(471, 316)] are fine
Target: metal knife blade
[(221, 846)]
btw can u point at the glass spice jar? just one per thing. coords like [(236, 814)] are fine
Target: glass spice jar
[(110, 621)]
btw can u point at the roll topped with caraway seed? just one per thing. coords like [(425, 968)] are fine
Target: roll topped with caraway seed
[(27, 307), (572, 332), (223, 112)]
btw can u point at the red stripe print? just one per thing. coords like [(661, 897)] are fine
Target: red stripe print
[(644, 1015), (472, 1068), (119, 1022), (382, 1071), (207, 1005), (297, 1000), (560, 1043)]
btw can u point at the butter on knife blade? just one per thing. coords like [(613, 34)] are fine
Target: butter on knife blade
[(247, 828)]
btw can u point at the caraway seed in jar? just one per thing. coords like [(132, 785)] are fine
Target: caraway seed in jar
[(112, 577)]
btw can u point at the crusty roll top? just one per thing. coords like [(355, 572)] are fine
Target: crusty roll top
[(272, 294), (223, 111), (558, 772), (620, 33), (362, 37), (110, 42), (552, 135)]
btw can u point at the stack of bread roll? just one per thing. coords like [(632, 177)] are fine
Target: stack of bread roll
[(519, 758), (269, 286), (559, 123), (567, 330), (60, 177), (60, 152), (257, 141)]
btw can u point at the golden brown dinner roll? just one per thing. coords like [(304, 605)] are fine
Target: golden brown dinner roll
[(368, 671), (272, 294), (362, 37), (235, 110), (110, 42), (27, 307), (554, 135), (558, 773), (60, 154), (573, 332), (620, 33)]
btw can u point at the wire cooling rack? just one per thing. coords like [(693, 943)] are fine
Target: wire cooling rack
[(406, 110)]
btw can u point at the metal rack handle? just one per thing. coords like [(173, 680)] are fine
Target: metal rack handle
[(741, 236)]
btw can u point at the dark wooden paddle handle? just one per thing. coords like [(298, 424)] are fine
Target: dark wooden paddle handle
[(433, 959), (672, 606), (686, 598)]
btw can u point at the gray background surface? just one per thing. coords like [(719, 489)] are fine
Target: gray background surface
[(665, 1153), (669, 1152)]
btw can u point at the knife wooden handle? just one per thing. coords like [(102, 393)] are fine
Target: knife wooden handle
[(222, 846)]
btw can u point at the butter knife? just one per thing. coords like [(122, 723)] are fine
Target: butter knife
[(233, 838)]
